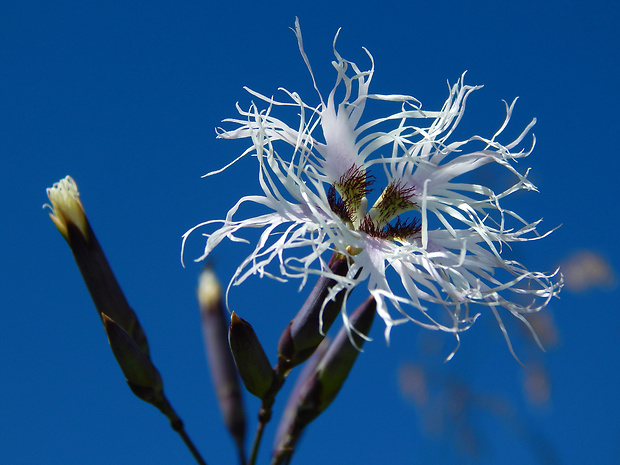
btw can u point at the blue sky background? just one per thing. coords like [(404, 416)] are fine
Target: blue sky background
[(125, 96)]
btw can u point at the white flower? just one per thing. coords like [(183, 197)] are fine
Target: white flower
[(316, 189)]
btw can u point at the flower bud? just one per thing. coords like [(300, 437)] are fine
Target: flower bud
[(250, 358), (69, 217), (127, 339), (221, 363)]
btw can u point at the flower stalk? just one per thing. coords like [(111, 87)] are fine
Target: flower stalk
[(321, 387), (288, 416), (307, 330)]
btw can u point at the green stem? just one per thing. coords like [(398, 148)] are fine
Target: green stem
[(264, 413), (256, 444), (178, 427)]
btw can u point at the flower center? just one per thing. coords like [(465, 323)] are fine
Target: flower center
[(348, 199)]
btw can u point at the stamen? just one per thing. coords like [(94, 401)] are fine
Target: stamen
[(338, 205), (400, 230), (353, 185), (394, 200), (403, 229)]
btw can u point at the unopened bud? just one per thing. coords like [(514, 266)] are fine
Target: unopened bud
[(69, 217), (127, 339), (209, 291), (221, 363), (250, 358)]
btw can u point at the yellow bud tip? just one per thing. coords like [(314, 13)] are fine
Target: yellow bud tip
[(209, 289), (66, 206), (234, 319)]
